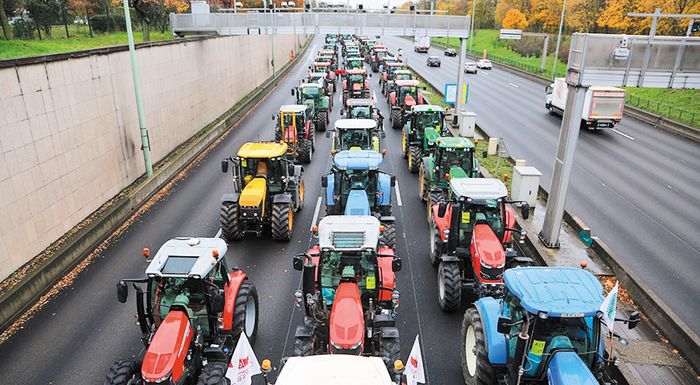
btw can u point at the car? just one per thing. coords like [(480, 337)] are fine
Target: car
[(470, 68), (433, 61), (484, 64), (450, 52)]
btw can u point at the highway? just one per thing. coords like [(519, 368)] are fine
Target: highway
[(636, 187), (76, 337)]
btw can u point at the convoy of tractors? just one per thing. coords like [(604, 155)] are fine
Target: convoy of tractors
[(522, 325)]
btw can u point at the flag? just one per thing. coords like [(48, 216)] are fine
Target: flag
[(609, 308), (414, 365), (244, 364)]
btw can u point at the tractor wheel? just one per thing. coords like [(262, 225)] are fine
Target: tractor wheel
[(388, 237), (282, 221), (121, 373), (414, 157), (449, 286), (322, 120), (390, 351), (228, 218), (278, 135), (476, 367), (300, 204), (345, 98), (213, 374), (424, 187), (433, 198), (396, 119), (404, 144), (304, 346), (245, 312), (435, 245), (305, 151)]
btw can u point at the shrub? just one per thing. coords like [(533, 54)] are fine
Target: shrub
[(111, 23), (23, 29)]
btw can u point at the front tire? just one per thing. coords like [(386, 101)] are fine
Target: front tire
[(404, 144), (424, 184), (122, 372), (228, 218), (322, 120), (214, 374), (476, 368), (435, 246), (245, 312), (433, 198), (396, 118), (414, 157), (390, 351), (304, 346), (282, 221), (388, 237), (305, 151), (449, 286)]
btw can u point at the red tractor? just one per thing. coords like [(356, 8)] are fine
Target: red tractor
[(404, 96), (348, 291), (376, 57), (388, 75), (472, 239), (355, 85), (191, 311), (324, 67)]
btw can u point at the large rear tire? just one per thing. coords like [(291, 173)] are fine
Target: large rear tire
[(476, 368), (396, 118), (390, 351), (121, 373), (433, 198), (435, 245), (388, 237), (228, 218), (305, 151), (214, 374), (424, 184), (404, 144), (414, 159), (245, 312), (282, 221), (322, 120), (449, 286)]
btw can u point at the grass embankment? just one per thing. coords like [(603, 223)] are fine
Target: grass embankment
[(59, 43), (679, 105), (500, 168)]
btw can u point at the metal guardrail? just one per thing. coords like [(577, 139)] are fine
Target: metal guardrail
[(664, 110), (320, 22)]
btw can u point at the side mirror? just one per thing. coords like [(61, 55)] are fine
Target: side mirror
[(370, 75), (273, 117), (503, 325), (324, 181), (224, 166), (328, 134), (298, 262), (442, 209), (122, 291), (525, 210), (633, 320), (393, 181), (396, 264), (485, 154), (217, 302), (290, 169), (293, 91), (342, 112)]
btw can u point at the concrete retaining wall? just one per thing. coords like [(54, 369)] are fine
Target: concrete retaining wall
[(69, 137)]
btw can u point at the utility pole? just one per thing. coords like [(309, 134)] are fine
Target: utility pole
[(460, 75), (471, 25), (145, 142), (556, 51)]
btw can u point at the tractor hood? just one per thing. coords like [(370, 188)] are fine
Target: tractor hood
[(254, 193), (431, 135), (357, 203), (168, 348), (457, 172), (567, 368), (487, 249), (347, 324), (409, 101)]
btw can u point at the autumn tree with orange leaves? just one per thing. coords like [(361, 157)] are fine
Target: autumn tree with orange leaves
[(514, 19)]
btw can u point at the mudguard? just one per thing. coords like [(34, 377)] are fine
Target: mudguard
[(330, 190), (490, 309), (510, 222), (567, 368), (230, 197), (235, 278), (304, 331), (384, 189), (357, 203), (390, 332), (387, 219), (457, 172), (324, 103), (282, 198), (388, 279), (428, 165), (449, 258)]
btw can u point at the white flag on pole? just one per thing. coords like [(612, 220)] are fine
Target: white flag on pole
[(414, 365), (244, 364), (609, 308)]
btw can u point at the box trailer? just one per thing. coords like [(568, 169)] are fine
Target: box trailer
[(421, 44), (602, 106)]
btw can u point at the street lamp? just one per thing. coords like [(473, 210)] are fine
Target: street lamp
[(556, 52), (471, 26)]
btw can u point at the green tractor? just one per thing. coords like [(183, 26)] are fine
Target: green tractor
[(316, 97), (354, 63), (424, 125), (452, 157), (296, 127), (356, 134)]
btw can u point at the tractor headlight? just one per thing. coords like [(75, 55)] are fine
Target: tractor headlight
[(162, 379)]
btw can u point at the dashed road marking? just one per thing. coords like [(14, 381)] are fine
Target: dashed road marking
[(513, 85), (316, 211), (398, 195), (621, 134), (669, 186)]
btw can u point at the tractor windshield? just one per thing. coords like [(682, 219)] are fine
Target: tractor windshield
[(355, 138), (272, 170), (429, 119), (355, 79), (403, 77), (361, 112), (408, 91), (335, 264), (310, 92), (456, 157)]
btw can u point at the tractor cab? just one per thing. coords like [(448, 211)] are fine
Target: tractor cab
[(327, 58), (354, 63), (316, 97), (187, 311), (405, 95), (324, 67), (322, 79), (356, 134), (546, 329), (399, 74), (355, 84), (295, 127), (451, 158), (329, 47), (377, 55), (331, 38), (348, 291), (363, 109)]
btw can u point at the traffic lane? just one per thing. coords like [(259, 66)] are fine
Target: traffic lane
[(595, 197), (78, 334)]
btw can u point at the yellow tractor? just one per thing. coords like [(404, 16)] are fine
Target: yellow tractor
[(267, 190)]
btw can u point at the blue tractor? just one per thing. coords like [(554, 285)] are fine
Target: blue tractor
[(355, 186), (547, 329)]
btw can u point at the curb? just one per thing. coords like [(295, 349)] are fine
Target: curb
[(20, 297)]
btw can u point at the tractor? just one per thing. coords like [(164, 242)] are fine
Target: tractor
[(268, 189), (355, 85), (356, 134), (191, 310), (401, 74), (322, 79), (377, 56), (315, 97), (363, 109), (327, 57), (332, 38), (472, 239), (354, 63), (451, 158), (405, 95), (424, 125), (324, 67), (329, 369), (388, 74), (348, 292), (547, 329), (295, 127), (355, 186), (329, 47)]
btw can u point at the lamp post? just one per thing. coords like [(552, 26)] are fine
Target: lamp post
[(556, 52), (471, 26)]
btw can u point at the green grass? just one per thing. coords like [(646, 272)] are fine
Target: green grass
[(59, 43), (500, 168), (679, 105)]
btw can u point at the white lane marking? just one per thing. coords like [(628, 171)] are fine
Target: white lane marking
[(398, 195), (669, 186), (316, 211), (340, 97), (218, 233), (514, 85), (485, 73), (622, 134)]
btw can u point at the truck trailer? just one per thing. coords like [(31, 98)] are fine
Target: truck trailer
[(602, 106), (421, 44)]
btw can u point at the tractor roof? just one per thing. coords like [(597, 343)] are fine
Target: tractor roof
[(557, 291), (395, 64), (354, 58), (328, 369), (479, 188), (317, 74), (380, 48), (410, 83), (356, 71), (358, 160), (326, 52), (262, 150), (454, 142), (322, 64), (402, 72), (293, 108), (310, 85), (427, 108), (355, 124), (359, 102), (187, 257), (348, 232)]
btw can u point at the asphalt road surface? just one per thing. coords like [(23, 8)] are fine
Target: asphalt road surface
[(637, 187), (76, 337)]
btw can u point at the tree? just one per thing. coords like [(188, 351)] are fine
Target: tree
[(545, 14), (6, 29), (581, 15), (515, 19), (484, 14)]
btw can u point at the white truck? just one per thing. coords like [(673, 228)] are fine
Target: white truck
[(421, 44), (602, 106)]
